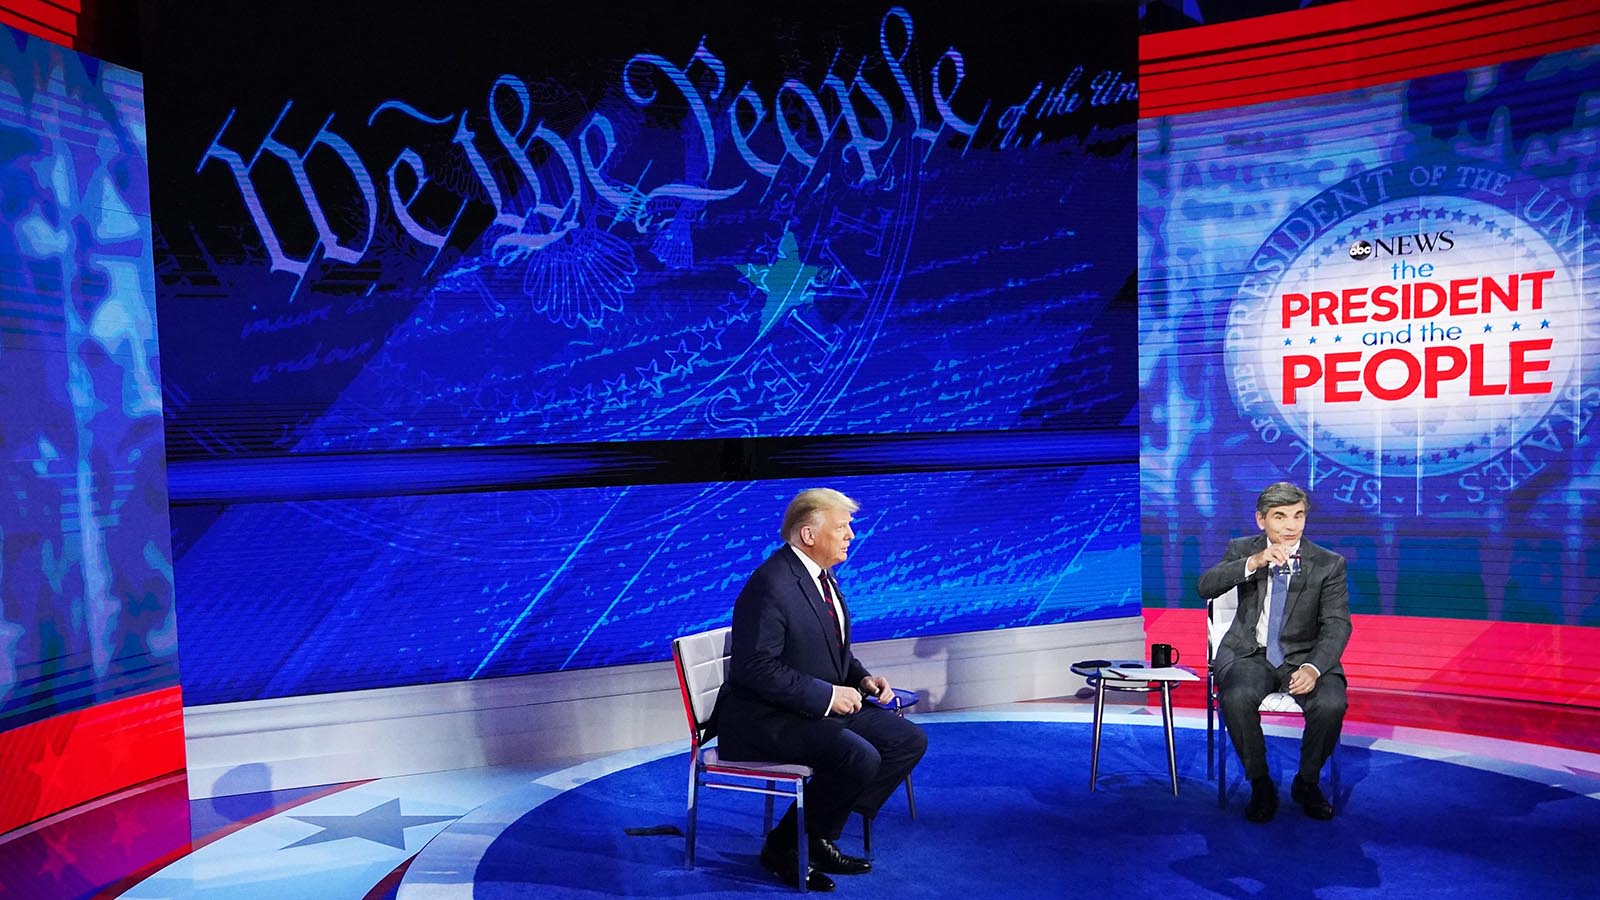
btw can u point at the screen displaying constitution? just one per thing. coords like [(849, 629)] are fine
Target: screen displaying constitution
[(496, 336)]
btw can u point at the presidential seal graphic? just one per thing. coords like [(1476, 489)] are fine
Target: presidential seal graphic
[(1415, 333)]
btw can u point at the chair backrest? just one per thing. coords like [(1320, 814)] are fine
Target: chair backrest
[(1219, 618), (702, 663)]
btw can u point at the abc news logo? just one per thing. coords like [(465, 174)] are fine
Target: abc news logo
[(1404, 245)]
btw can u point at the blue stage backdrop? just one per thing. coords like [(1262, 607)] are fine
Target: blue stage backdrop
[(494, 341), (1389, 296)]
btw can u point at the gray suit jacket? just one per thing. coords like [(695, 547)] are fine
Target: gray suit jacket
[(1316, 624)]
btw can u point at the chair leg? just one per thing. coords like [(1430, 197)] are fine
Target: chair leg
[(766, 815), (694, 797), (802, 841), (1222, 763), (1211, 726), (911, 796)]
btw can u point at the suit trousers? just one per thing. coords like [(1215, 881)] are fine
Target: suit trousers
[(858, 759), (1247, 681)]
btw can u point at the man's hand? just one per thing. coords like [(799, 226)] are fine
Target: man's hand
[(846, 700), (876, 686), (1273, 555), (1303, 680)]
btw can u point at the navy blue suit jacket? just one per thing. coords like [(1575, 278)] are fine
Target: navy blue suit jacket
[(787, 657)]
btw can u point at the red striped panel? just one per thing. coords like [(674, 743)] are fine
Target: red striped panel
[(54, 20), (1350, 45), (66, 760), (1461, 657), (50, 15)]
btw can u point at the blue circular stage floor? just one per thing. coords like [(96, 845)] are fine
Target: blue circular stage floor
[(1004, 810)]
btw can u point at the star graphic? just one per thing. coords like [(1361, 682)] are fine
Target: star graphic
[(59, 858), (1516, 326), (1338, 339), (710, 336), (733, 309), (650, 378), (1487, 328), (1288, 341), (682, 358), (786, 281), (128, 830), (1544, 324), (382, 824), (1312, 341), (47, 767)]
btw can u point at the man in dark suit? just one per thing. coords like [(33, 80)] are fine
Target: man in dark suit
[(794, 691), (1291, 627)]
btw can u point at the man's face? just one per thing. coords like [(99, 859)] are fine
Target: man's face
[(828, 542), (1283, 524)]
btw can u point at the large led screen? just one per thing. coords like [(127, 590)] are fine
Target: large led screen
[(85, 569), (89, 702), (451, 302), (1387, 295)]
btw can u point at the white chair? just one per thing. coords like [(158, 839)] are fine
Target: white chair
[(702, 663), (1219, 617)]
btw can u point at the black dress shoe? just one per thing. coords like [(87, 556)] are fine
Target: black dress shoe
[(1263, 800), (785, 863), (1310, 798), (827, 856)]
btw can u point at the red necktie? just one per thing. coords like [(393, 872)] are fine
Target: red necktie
[(827, 599)]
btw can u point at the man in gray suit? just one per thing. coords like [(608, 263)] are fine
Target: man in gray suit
[(1292, 625)]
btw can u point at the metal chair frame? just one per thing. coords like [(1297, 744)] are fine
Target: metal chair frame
[(700, 678)]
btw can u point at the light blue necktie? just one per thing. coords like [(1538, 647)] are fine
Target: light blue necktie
[(1279, 600)]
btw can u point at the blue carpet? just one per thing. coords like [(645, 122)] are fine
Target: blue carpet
[(1004, 810)]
